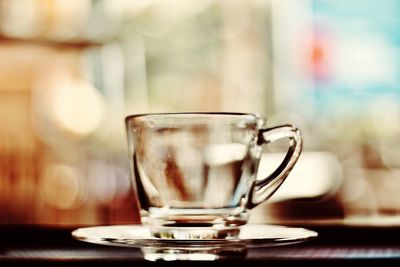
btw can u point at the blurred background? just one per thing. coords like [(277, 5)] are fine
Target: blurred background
[(71, 70)]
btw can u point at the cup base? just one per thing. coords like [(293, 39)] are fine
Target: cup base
[(200, 231), (196, 254)]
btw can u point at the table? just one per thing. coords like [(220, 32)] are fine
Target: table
[(340, 245)]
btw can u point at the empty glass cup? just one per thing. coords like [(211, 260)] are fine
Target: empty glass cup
[(195, 173)]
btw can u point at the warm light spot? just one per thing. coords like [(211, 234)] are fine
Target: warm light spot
[(61, 186), (77, 106)]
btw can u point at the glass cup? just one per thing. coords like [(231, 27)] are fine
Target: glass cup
[(195, 173)]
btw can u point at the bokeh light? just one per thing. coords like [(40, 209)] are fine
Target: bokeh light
[(62, 186), (70, 72), (76, 106)]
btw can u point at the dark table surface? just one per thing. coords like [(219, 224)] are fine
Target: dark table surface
[(26, 245)]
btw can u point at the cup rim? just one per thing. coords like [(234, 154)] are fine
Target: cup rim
[(227, 114)]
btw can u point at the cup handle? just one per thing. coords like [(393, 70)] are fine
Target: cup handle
[(261, 190)]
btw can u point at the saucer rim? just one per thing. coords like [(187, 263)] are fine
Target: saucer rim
[(153, 242)]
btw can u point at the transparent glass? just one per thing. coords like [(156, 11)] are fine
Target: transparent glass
[(195, 173), (139, 236)]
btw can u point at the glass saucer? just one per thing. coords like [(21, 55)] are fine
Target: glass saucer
[(139, 236)]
